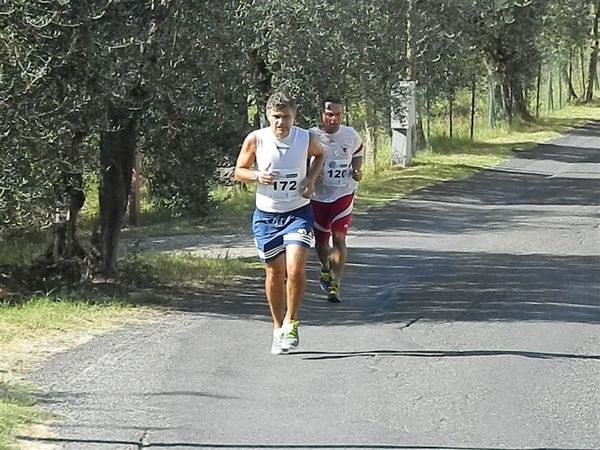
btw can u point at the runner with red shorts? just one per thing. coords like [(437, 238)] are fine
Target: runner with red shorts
[(333, 198)]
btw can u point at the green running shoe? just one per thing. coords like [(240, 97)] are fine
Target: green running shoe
[(291, 338), (333, 293), (325, 280)]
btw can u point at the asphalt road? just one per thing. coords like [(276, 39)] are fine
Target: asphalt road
[(471, 320)]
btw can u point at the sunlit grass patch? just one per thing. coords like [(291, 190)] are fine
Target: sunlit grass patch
[(186, 268), (428, 168), (30, 329), (18, 411), (34, 329)]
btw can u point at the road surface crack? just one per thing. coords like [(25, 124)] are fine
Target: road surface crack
[(410, 323), (143, 441)]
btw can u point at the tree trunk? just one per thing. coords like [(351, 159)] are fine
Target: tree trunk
[(519, 101), (428, 117), (371, 136), (117, 156), (560, 85), (263, 86), (567, 70), (537, 91), (589, 93), (507, 101), (69, 201), (450, 117), (492, 105), (134, 199), (65, 257), (420, 133), (411, 46), (550, 94), (472, 124), (582, 60)]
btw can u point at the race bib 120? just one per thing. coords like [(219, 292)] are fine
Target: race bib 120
[(336, 173)]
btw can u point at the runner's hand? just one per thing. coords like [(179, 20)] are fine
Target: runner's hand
[(266, 176), (357, 174), (308, 187)]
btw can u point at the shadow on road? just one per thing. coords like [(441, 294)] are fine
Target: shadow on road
[(314, 355), (175, 445), (402, 285), (388, 286)]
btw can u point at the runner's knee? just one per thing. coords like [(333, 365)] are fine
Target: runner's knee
[(276, 269), (339, 240)]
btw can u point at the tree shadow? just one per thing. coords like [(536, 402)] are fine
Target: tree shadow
[(391, 286), (562, 153)]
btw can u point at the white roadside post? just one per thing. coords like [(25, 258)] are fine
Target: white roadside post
[(403, 125)]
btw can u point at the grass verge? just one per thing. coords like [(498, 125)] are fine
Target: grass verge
[(33, 330), (185, 268), (448, 159)]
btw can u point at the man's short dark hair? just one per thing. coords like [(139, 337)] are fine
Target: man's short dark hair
[(330, 99), (281, 100)]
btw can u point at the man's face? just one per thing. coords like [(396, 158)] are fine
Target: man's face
[(332, 117), (281, 121)]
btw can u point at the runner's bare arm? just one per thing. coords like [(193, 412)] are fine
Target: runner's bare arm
[(316, 151), (244, 171), (357, 173)]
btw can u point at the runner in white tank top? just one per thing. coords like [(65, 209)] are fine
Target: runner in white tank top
[(284, 161), (287, 158)]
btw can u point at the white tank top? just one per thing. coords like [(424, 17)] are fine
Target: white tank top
[(288, 158)]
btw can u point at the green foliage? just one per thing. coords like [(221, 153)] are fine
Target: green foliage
[(312, 49), (199, 116), (446, 51), (193, 74)]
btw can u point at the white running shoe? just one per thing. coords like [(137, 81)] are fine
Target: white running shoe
[(276, 346)]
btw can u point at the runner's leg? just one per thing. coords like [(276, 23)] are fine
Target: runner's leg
[(296, 256), (338, 255), (275, 288), (322, 249), (322, 230), (340, 224)]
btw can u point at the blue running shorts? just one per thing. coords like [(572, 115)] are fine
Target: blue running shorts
[(274, 231)]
